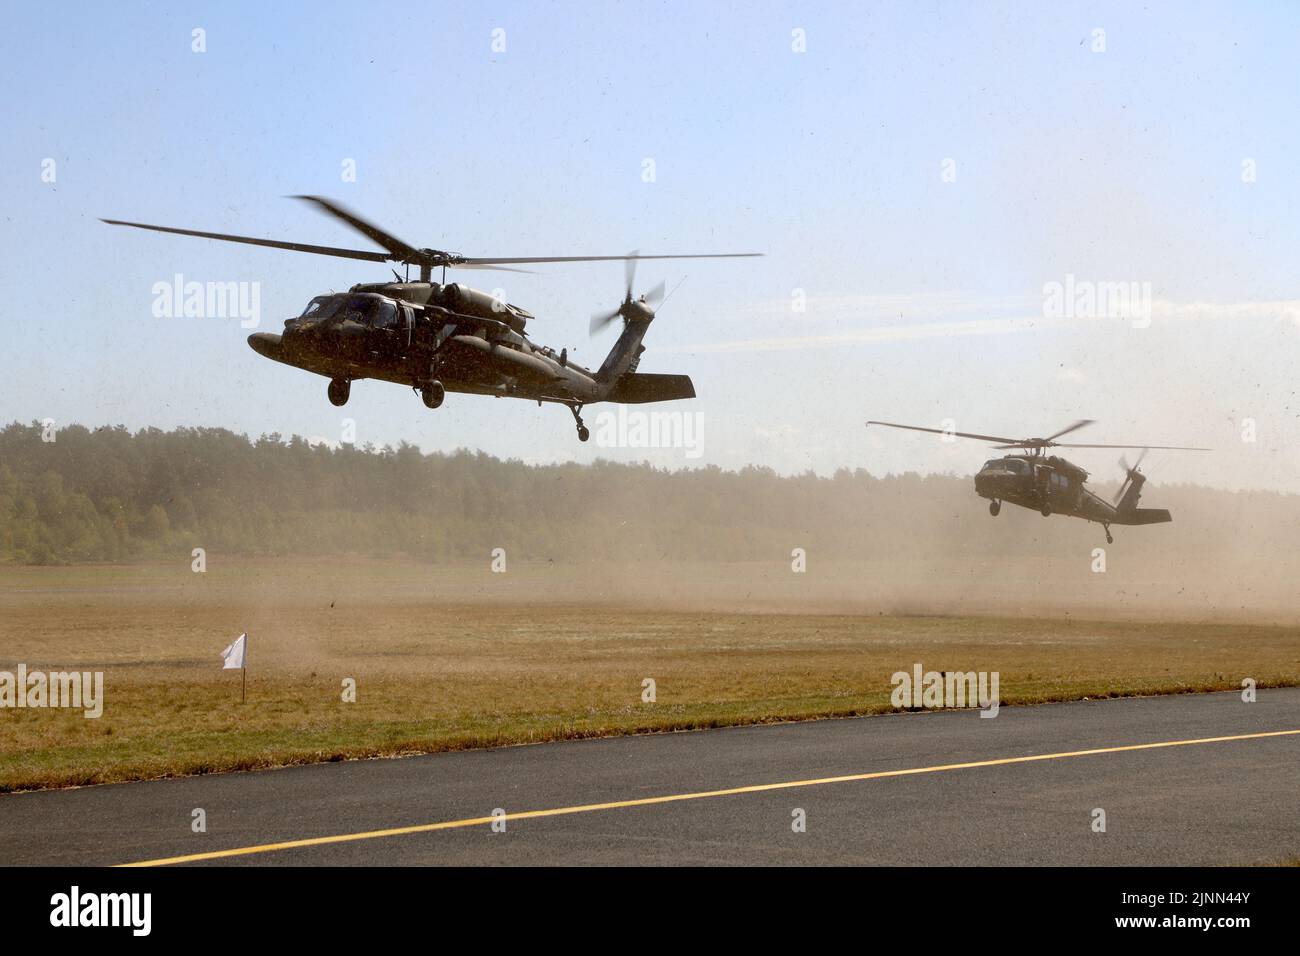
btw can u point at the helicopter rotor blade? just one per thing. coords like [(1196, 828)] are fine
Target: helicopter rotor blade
[(397, 247), (940, 431), (272, 243), (1129, 472), (1065, 431), (398, 251), (466, 265), (1048, 442), (602, 319), (629, 274), (647, 300), (1123, 487), (654, 296), (1161, 447), (490, 261)]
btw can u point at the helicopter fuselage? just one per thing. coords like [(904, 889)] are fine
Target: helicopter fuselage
[(398, 332), (1051, 485), (438, 339)]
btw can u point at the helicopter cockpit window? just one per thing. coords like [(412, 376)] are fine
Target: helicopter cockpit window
[(369, 310), (383, 315), (321, 307), (1013, 465)]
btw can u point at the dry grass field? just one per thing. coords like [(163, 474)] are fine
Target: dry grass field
[(454, 657)]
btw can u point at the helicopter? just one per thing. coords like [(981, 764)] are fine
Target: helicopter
[(436, 337), (1051, 485)]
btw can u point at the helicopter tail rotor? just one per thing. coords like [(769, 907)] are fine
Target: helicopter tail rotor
[(639, 308), (1133, 481)]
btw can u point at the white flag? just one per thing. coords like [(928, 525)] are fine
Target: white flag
[(234, 654)]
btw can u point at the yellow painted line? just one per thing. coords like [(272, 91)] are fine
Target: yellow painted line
[(675, 797)]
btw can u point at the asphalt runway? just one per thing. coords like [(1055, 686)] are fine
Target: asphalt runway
[(1190, 779)]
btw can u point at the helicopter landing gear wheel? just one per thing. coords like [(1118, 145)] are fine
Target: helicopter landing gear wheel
[(1109, 539), (1045, 511), (994, 508), (583, 434), (433, 394), (339, 390)]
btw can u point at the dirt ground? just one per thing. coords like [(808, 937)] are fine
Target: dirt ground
[(458, 656)]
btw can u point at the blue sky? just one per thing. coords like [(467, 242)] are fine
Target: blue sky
[(924, 297)]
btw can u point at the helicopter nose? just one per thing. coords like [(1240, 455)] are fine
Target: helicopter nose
[(300, 336), (321, 338), (987, 483), (266, 343)]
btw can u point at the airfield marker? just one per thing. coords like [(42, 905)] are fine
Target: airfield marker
[(236, 656)]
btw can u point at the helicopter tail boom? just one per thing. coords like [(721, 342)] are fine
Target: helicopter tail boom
[(619, 381), (626, 353)]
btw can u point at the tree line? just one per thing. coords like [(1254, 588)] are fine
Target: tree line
[(110, 495)]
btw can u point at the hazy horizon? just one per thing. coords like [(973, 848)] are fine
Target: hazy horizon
[(1100, 479)]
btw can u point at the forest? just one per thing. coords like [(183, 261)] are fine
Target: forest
[(110, 495)]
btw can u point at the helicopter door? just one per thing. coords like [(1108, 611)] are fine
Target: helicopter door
[(408, 323), (1060, 491), (1073, 492), (385, 322)]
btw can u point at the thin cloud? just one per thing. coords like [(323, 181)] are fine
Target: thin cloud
[(1162, 312), (886, 333)]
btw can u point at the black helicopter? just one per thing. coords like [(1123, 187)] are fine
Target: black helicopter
[(1051, 485), (438, 337)]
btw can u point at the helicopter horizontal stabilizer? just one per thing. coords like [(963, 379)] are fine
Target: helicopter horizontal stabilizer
[(1143, 516), (639, 388)]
